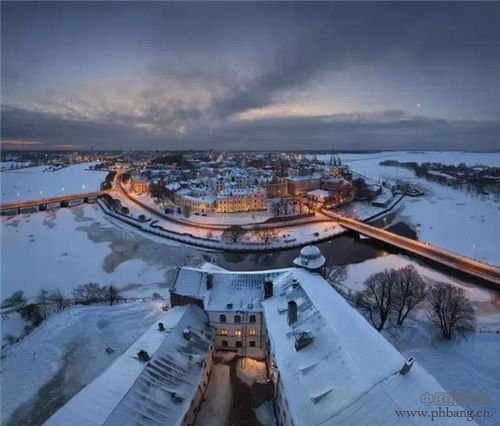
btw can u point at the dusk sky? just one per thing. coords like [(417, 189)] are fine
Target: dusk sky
[(259, 75)]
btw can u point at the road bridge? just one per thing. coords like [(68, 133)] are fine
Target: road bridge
[(472, 267)]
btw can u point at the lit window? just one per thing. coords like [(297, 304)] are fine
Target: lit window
[(237, 332), (223, 332), (251, 332)]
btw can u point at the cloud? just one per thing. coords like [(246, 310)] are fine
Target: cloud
[(13, 143), (388, 129)]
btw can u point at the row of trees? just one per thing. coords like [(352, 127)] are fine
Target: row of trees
[(393, 294), (54, 300), (48, 302), (235, 233), (288, 206), (396, 293)]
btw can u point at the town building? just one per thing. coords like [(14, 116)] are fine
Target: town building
[(232, 302), (138, 184), (276, 187), (299, 185), (241, 200)]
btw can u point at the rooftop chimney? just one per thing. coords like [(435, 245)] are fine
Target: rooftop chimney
[(303, 340), (292, 312), (210, 281), (268, 289), (407, 366), (186, 333)]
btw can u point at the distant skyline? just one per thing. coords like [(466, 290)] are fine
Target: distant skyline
[(250, 76)]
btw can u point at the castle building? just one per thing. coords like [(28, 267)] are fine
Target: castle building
[(326, 364)]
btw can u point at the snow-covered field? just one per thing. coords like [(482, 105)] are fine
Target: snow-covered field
[(34, 183), (44, 370), (447, 217), (68, 247)]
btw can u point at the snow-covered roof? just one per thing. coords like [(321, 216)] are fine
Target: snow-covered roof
[(310, 257), (349, 374), (230, 290), (131, 392), (319, 193)]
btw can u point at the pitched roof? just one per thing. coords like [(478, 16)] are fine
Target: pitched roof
[(349, 374), (131, 392), (242, 291)]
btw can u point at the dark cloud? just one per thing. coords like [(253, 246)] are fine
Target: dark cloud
[(202, 64), (382, 130)]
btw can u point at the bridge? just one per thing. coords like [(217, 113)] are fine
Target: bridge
[(472, 267), (44, 203)]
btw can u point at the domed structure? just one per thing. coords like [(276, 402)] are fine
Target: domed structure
[(310, 258)]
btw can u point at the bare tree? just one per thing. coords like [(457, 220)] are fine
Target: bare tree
[(89, 293), (112, 294), (233, 233), (309, 204), (378, 297), (298, 202), (409, 291), (16, 300), (450, 310), (266, 235), (187, 211), (286, 207), (43, 300), (334, 273), (57, 298), (276, 208)]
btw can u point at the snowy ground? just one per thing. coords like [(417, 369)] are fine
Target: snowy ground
[(218, 400), (69, 247), (251, 370), (34, 183), (220, 406), (43, 371), (447, 217)]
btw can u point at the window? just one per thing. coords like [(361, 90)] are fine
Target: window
[(237, 332), (223, 332), (237, 319), (251, 332), (253, 318), (238, 344), (224, 343), (222, 318), (252, 343)]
